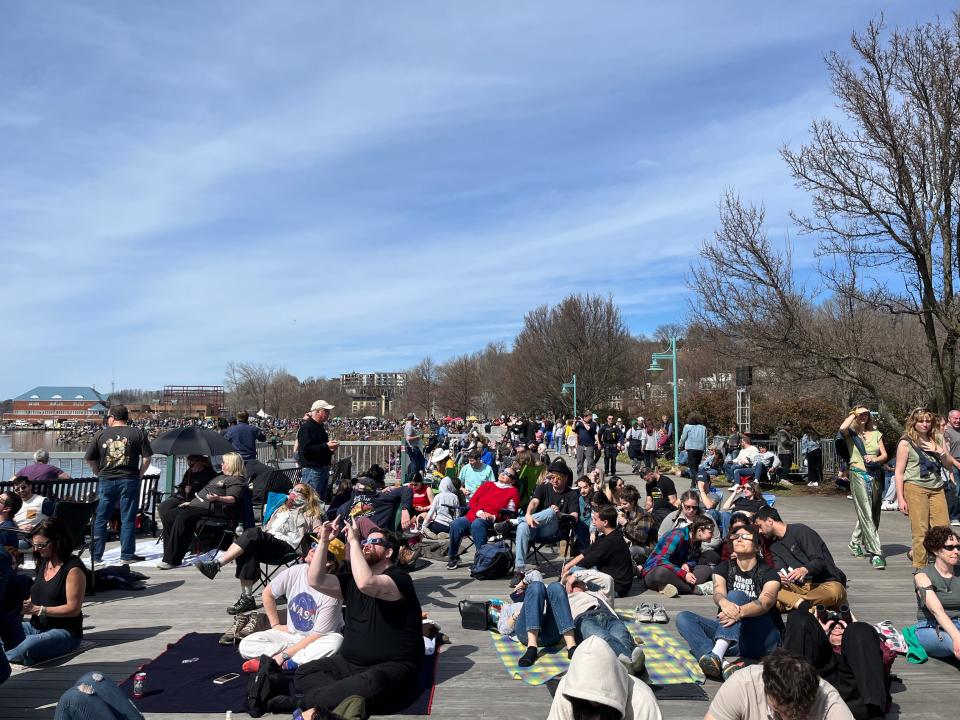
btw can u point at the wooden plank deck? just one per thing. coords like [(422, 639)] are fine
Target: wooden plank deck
[(130, 628)]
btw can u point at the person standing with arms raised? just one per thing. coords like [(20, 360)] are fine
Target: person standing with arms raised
[(316, 448)]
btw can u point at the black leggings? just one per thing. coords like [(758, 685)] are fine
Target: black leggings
[(259, 547), (694, 458), (327, 682), (661, 576), (857, 672), (178, 526)]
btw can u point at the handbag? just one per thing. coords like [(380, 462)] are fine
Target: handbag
[(473, 614)]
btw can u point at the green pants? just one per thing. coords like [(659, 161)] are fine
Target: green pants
[(867, 497)]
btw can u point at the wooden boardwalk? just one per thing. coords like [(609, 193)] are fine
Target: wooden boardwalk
[(131, 628)]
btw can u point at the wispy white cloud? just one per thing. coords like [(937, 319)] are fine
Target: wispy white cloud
[(330, 186)]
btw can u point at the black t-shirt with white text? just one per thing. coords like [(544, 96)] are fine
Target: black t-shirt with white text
[(378, 631), (749, 582)]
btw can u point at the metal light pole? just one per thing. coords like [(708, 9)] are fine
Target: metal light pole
[(567, 387), (655, 367)]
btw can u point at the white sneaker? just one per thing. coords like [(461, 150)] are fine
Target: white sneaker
[(813, 483), (660, 614), (644, 612), (705, 588), (955, 523), (889, 506)]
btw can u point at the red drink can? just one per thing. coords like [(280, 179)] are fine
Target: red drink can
[(139, 680)]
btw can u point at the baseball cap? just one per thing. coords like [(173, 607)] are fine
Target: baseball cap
[(321, 405)]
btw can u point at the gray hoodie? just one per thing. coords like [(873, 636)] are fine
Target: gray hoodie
[(446, 504), (595, 675)]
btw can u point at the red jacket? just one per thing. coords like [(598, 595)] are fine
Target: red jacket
[(491, 498)]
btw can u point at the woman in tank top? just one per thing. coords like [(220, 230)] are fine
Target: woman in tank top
[(921, 454), (55, 606), (938, 595)]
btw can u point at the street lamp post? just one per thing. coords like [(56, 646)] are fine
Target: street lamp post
[(655, 367), (571, 386)]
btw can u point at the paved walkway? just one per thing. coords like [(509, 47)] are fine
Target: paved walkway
[(131, 628)]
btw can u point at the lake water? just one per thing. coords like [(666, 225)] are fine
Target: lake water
[(30, 440)]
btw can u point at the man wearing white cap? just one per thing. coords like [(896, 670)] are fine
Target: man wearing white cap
[(316, 448)]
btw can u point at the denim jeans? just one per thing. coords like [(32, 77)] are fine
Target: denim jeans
[(317, 478), (461, 526), (547, 610), (934, 640), (548, 525), (602, 623), (110, 491), (751, 638), (39, 646), (95, 696)]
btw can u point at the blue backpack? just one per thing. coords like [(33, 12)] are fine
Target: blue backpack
[(492, 561)]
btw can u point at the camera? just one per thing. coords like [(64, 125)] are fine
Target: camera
[(831, 616)]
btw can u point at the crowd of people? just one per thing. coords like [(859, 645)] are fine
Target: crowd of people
[(777, 631)]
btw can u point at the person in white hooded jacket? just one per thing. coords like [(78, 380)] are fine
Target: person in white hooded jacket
[(598, 687)]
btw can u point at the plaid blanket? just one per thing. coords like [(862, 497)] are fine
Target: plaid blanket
[(668, 661)]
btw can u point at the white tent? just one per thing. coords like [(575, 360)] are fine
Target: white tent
[(262, 415), (369, 417)]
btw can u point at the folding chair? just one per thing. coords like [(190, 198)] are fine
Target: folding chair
[(268, 570), (225, 526), (78, 517), (564, 535)]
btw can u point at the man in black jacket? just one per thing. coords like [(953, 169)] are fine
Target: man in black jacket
[(611, 437), (316, 448), (806, 567)]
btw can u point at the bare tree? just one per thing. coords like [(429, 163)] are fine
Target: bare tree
[(459, 385), (885, 187), (421, 392), (583, 335), (248, 384)]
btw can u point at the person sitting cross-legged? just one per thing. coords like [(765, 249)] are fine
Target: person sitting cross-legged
[(806, 567), (747, 623), (273, 543), (486, 504), (314, 620), (382, 647), (551, 501), (674, 568)]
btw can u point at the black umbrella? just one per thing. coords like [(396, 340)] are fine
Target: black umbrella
[(192, 440)]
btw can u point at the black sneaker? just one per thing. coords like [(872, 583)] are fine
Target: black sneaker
[(504, 527), (453, 563), (517, 578), (133, 559), (210, 569), (245, 604)]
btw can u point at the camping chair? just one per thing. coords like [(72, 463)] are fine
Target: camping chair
[(268, 570), (276, 482), (78, 517), (564, 535), (223, 527), (527, 482)]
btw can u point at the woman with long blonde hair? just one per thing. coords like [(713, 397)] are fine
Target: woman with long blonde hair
[(921, 456), (278, 540)]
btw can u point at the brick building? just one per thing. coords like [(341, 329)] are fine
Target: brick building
[(58, 403)]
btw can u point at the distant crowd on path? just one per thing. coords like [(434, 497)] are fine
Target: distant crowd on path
[(779, 600)]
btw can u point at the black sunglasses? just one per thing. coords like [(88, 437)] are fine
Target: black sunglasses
[(949, 548)]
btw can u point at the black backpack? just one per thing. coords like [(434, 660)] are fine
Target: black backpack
[(262, 686), (493, 561)]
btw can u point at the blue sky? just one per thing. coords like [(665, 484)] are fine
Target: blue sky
[(331, 186)]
